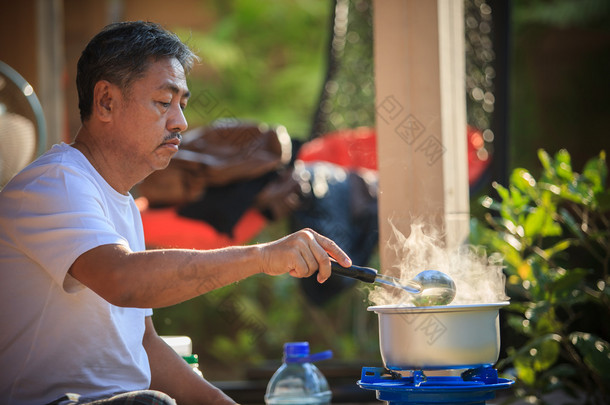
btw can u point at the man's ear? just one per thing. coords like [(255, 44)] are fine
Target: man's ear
[(104, 100)]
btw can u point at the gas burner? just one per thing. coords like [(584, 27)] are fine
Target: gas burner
[(474, 386)]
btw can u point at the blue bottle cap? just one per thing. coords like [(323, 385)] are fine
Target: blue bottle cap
[(296, 350)]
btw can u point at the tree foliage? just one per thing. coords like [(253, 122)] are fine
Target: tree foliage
[(554, 233)]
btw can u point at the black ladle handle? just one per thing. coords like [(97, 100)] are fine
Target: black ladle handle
[(365, 274)]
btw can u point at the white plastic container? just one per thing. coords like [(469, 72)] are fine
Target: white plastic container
[(182, 345)]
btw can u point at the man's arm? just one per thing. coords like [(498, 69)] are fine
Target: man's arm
[(158, 278), (174, 376)]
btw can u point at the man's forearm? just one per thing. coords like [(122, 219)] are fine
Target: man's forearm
[(159, 278)]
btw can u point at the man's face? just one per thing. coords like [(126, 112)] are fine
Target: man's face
[(150, 117)]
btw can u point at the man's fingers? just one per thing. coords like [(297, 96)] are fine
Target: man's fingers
[(332, 249), (307, 252), (321, 248)]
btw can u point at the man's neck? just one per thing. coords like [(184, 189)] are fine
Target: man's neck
[(102, 162)]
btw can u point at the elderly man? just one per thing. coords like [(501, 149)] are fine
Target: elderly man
[(77, 284)]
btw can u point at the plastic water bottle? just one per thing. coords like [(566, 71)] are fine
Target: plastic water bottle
[(298, 381)]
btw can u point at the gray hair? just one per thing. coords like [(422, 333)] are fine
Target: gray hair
[(121, 53)]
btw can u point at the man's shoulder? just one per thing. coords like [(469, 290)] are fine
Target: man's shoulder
[(57, 177), (60, 161), (62, 155)]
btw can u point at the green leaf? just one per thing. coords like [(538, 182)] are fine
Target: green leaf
[(525, 372), (520, 201), (547, 165), (495, 241), (564, 284), (537, 355), (563, 166), (502, 191), (596, 172), (562, 371), (512, 258), (558, 247), (555, 377), (572, 224), (539, 222), (579, 191), (602, 201), (594, 351), (524, 181), (546, 355), (537, 310), (519, 324), (534, 222)]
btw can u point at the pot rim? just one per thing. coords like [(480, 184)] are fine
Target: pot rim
[(403, 309)]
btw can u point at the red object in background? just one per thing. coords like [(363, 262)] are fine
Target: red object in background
[(352, 148), (357, 148), (164, 228), (478, 157)]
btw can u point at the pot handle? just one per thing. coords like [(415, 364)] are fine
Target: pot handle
[(365, 274)]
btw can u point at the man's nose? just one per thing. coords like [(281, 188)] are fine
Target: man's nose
[(177, 121)]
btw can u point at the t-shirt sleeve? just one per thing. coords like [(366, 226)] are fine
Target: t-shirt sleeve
[(61, 216)]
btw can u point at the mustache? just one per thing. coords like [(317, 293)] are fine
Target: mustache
[(171, 136)]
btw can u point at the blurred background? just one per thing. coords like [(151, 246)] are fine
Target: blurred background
[(536, 77)]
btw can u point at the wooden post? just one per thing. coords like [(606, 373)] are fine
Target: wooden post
[(421, 118), (51, 59)]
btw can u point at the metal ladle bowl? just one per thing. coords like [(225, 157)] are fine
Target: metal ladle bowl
[(428, 288), (437, 289)]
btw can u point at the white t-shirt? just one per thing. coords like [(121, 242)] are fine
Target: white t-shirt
[(56, 335)]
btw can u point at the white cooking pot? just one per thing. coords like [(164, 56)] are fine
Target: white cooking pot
[(439, 337)]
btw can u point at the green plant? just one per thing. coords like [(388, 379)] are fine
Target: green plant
[(554, 233), (261, 61)]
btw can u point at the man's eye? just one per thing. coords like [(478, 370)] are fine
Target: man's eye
[(164, 105)]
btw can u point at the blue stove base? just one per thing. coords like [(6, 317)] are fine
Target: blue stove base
[(474, 387)]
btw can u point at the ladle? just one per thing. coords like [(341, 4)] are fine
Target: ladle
[(428, 288)]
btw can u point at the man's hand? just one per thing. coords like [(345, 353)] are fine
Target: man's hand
[(302, 254)]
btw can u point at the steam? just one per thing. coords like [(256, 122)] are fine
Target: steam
[(478, 277)]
